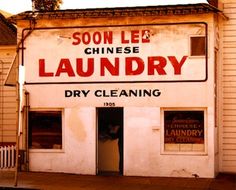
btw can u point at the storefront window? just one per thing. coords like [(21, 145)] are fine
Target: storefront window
[(184, 130), (45, 129)]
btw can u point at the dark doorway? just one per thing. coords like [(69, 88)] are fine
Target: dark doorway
[(110, 141)]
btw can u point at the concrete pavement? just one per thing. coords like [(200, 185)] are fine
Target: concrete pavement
[(59, 181)]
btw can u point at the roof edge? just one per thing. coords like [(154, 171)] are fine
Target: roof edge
[(8, 23), (160, 10)]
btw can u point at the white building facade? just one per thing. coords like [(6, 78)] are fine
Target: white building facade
[(129, 90)]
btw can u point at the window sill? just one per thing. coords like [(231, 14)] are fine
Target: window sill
[(46, 151), (187, 153)]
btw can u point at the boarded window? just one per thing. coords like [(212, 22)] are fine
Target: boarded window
[(184, 130), (45, 130), (198, 45)]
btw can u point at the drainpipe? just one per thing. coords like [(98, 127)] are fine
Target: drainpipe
[(27, 129), (21, 42)]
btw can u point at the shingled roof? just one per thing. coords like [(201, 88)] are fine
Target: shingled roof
[(7, 32)]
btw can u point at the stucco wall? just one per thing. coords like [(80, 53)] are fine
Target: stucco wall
[(143, 131), (78, 154), (143, 125)]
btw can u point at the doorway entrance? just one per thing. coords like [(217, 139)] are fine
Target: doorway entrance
[(110, 141)]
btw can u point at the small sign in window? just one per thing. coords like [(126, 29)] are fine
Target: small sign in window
[(184, 130), (198, 45)]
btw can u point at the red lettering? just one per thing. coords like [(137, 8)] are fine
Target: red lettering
[(108, 37), (129, 70), (65, 67), (145, 36), (158, 67), (76, 37), (177, 65), (90, 67), (42, 72), (97, 38), (123, 40), (86, 38), (134, 36), (113, 69), (155, 65)]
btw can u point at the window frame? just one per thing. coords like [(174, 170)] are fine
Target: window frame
[(162, 139), (190, 47), (62, 150)]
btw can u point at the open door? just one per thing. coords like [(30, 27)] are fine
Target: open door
[(110, 141)]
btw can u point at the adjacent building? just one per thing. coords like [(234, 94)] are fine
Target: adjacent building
[(8, 104), (226, 77)]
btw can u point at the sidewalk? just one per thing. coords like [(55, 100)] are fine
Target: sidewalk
[(58, 181)]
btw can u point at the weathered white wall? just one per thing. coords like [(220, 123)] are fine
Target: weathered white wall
[(142, 120), (143, 148), (79, 147)]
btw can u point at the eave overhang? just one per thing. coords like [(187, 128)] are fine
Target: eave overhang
[(167, 10)]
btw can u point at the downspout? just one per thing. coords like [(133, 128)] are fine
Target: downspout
[(19, 47), (27, 106)]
